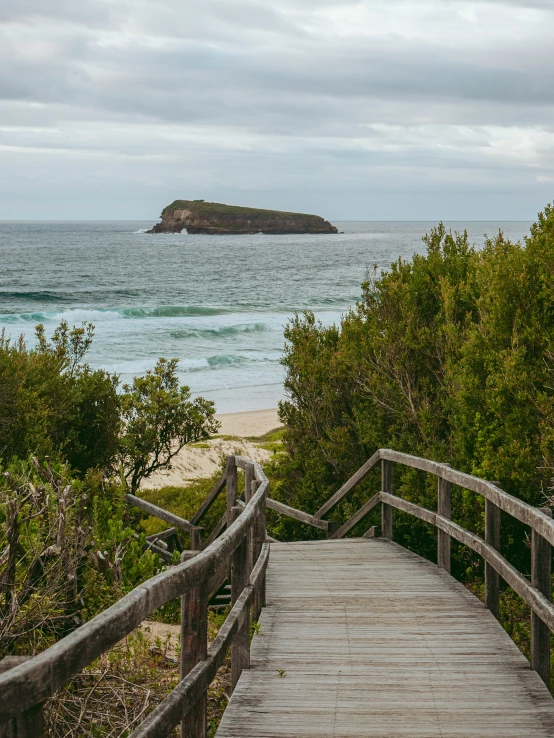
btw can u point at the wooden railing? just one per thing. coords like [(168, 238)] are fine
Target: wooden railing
[(239, 546), (536, 593), (241, 551)]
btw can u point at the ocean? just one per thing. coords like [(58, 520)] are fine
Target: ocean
[(216, 303)]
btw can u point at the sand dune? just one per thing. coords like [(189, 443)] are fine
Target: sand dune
[(203, 460)]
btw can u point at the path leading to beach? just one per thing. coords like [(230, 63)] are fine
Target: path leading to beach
[(202, 460)]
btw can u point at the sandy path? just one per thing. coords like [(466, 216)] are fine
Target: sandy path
[(169, 635)]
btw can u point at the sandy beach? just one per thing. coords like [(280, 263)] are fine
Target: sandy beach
[(236, 436), (253, 423)]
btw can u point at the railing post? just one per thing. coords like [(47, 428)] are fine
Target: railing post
[(231, 495), (541, 572), (194, 648), (196, 539), (386, 510), (492, 536), (332, 528), (240, 574), (249, 492), (258, 541), (249, 477), (444, 508), (231, 483), (28, 724)]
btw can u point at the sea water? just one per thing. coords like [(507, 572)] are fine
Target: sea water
[(219, 304)]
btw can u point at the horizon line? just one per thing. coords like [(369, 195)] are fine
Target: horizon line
[(338, 220)]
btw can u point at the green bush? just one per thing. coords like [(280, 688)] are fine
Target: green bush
[(447, 356), (158, 419), (52, 405), (69, 545), (70, 548)]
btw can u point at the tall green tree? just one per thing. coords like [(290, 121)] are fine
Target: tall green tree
[(159, 418)]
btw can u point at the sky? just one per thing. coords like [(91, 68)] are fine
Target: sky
[(393, 110)]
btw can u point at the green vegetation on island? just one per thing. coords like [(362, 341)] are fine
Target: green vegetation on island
[(198, 216)]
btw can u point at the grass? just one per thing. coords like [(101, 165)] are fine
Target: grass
[(183, 501), (217, 208), (272, 441)]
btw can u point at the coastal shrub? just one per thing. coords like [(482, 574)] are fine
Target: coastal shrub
[(159, 418), (449, 356), (71, 446), (69, 548), (51, 404)]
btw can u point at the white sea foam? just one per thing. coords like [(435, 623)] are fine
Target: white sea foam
[(73, 316)]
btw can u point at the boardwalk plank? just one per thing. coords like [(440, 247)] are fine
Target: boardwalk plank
[(376, 641)]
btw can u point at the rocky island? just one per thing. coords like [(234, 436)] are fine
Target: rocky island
[(197, 216)]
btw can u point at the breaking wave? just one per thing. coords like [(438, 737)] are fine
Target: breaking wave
[(218, 361), (79, 315), (32, 296), (220, 331)]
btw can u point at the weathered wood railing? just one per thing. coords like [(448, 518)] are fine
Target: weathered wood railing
[(238, 548), (241, 551), (536, 593)]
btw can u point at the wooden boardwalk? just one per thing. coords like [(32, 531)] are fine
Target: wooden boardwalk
[(376, 641)]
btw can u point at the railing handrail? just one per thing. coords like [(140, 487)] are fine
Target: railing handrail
[(522, 511), (517, 581), (34, 681), (159, 512), (181, 699), (515, 507)]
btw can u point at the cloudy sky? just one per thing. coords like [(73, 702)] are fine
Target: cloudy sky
[(370, 110)]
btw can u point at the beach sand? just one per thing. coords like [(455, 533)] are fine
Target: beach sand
[(201, 460), (252, 423)]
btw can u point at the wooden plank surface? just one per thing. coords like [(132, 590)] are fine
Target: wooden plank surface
[(375, 641)]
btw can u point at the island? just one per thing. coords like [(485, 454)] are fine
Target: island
[(198, 216)]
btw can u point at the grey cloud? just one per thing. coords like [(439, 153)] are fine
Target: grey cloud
[(35, 12), (220, 94)]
